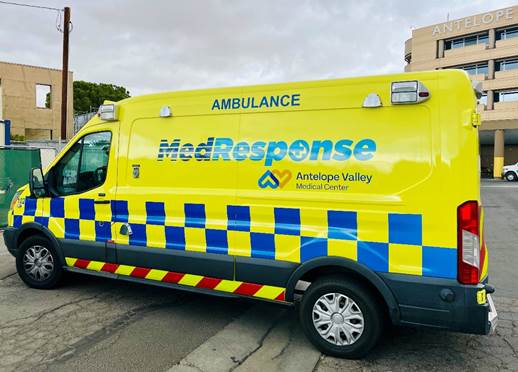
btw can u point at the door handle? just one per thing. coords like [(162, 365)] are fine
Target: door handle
[(101, 202), (126, 229)]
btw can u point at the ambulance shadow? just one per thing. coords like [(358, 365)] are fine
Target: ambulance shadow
[(400, 348)]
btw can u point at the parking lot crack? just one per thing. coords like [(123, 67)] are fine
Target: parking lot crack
[(515, 352), (259, 344), (7, 276), (114, 329), (317, 365), (285, 347), (40, 315)]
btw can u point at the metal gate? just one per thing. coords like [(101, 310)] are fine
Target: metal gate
[(15, 166)]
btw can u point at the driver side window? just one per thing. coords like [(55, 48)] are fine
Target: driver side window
[(84, 166)]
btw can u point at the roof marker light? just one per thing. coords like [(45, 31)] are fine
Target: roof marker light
[(108, 112), (372, 100), (408, 92), (165, 112)]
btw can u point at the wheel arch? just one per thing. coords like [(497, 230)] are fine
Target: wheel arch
[(339, 265), (30, 229)]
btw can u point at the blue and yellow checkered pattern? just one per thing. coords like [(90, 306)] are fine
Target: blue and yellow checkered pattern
[(385, 242)]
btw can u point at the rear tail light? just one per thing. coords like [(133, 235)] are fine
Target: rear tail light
[(468, 243)]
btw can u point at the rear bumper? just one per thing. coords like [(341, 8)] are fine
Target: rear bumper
[(443, 303), (10, 239)]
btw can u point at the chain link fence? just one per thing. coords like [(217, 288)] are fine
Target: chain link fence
[(81, 118)]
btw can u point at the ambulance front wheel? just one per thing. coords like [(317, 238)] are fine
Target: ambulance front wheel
[(341, 317), (37, 263)]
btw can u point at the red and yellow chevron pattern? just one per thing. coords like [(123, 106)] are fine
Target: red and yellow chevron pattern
[(222, 285)]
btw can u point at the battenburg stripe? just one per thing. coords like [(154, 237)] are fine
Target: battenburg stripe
[(222, 285)]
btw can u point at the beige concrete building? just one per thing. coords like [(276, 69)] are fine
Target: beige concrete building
[(486, 46), (30, 97)]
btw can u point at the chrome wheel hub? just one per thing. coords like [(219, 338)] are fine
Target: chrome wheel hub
[(38, 263), (338, 319)]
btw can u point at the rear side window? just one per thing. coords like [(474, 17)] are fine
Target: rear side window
[(84, 166)]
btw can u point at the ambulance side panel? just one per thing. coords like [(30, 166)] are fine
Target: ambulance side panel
[(294, 189), (372, 211)]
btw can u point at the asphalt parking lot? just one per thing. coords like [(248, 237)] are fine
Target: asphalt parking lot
[(93, 324)]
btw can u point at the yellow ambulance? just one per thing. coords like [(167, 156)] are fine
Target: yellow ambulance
[(357, 200)]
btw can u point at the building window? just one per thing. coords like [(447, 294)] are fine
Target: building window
[(476, 69), (464, 41), (506, 65), (507, 33), (506, 96), (483, 100), (43, 96)]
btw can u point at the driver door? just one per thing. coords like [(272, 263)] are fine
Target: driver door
[(81, 185)]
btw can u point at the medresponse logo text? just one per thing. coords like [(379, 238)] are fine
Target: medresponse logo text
[(226, 149)]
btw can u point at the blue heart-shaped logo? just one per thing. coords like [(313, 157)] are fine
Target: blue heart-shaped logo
[(268, 180)]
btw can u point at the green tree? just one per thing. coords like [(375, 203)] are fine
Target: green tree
[(47, 100), (89, 96)]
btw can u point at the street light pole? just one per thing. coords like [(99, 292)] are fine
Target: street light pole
[(64, 79)]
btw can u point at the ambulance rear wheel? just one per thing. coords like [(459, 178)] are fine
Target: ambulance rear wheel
[(341, 317), (37, 263), (511, 176)]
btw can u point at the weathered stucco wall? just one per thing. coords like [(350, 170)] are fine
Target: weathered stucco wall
[(18, 101)]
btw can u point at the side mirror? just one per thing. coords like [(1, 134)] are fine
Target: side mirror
[(37, 183)]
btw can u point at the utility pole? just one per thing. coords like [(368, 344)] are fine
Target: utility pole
[(64, 79)]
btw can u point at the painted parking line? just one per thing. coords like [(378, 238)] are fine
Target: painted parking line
[(227, 349), (265, 338)]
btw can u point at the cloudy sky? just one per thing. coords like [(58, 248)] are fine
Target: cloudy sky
[(149, 46)]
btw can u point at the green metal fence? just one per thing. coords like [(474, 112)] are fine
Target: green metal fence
[(15, 166)]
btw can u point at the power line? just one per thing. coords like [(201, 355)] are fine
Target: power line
[(30, 6), (59, 18)]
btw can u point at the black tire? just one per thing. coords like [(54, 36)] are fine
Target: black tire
[(511, 176), (367, 303), (52, 277)]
